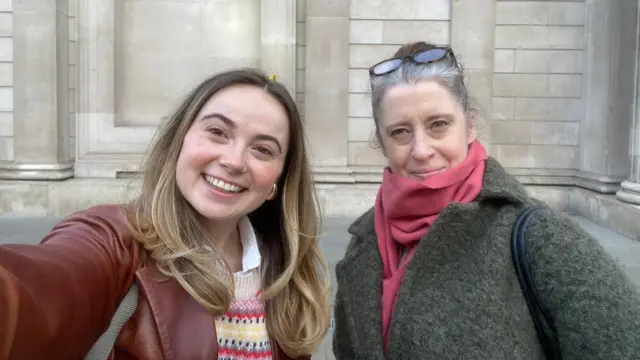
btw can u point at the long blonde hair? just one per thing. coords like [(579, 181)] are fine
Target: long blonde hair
[(295, 290)]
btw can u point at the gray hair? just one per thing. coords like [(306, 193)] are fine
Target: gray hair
[(446, 72)]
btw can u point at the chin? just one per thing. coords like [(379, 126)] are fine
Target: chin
[(219, 214), (217, 211), (212, 210)]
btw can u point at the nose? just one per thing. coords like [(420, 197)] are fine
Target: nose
[(234, 160), (421, 148)]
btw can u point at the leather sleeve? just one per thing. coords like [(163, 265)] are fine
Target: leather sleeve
[(58, 297)]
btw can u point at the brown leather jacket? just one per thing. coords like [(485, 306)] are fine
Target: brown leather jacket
[(57, 298)]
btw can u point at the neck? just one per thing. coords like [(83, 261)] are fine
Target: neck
[(225, 238)]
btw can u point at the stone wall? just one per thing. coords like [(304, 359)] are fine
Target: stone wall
[(73, 75), (6, 81), (538, 85), (133, 68), (555, 81), (376, 30), (301, 23)]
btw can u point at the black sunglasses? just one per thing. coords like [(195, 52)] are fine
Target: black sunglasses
[(424, 57)]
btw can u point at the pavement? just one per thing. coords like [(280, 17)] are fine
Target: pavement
[(333, 243)]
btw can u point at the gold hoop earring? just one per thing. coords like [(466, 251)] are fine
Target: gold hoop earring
[(274, 191)]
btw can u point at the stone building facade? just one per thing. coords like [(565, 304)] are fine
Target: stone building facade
[(84, 83)]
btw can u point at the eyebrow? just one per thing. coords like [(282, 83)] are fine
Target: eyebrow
[(225, 119), (429, 118)]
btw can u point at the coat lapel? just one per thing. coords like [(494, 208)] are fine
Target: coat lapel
[(361, 290), (185, 327)]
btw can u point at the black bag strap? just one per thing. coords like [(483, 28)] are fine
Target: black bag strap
[(542, 320)]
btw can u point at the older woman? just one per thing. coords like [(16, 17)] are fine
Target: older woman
[(221, 243), (428, 273)]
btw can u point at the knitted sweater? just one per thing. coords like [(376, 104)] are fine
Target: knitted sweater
[(460, 297), (242, 331)]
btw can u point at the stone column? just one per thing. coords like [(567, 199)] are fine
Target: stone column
[(608, 91), (278, 32), (327, 88), (41, 92), (472, 38), (630, 189)]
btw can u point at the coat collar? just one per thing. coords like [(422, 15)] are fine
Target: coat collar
[(362, 263)]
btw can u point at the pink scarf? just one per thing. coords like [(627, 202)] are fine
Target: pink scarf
[(405, 209)]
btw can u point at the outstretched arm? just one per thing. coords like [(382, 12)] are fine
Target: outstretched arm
[(58, 297)]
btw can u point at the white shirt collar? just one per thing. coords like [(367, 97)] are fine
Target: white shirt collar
[(251, 257)]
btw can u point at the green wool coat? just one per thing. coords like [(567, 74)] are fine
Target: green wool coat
[(460, 297)]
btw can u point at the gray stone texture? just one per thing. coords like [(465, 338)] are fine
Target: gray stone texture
[(40, 90), (6, 82), (327, 81), (610, 33), (556, 87)]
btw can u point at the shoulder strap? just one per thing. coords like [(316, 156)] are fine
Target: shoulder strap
[(542, 320), (103, 347)]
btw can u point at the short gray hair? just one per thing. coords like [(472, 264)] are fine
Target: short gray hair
[(447, 72)]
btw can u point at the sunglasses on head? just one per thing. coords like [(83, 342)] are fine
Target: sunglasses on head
[(424, 57)]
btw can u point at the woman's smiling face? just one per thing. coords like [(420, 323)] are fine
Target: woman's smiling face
[(233, 153)]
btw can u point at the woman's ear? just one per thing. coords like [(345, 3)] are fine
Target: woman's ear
[(274, 191)]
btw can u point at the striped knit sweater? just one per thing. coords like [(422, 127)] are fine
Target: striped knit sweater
[(242, 331)]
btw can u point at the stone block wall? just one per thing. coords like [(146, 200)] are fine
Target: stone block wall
[(73, 75), (376, 30), (537, 85), (158, 64), (555, 79), (6, 81), (301, 35)]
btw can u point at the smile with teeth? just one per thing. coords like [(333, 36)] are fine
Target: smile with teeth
[(219, 184)]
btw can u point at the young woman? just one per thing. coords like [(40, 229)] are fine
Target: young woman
[(221, 241), (428, 273)]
